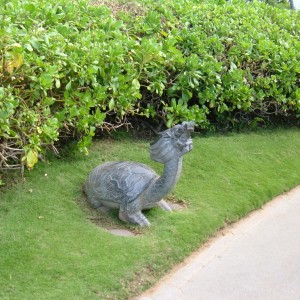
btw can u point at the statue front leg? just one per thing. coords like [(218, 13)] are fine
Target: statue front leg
[(135, 218)]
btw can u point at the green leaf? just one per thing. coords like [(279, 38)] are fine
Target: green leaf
[(111, 104), (28, 47), (46, 81), (31, 158), (35, 43), (57, 83), (170, 122), (29, 7), (135, 83), (69, 86), (99, 116), (63, 30)]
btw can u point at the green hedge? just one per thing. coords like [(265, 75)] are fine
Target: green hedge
[(69, 67)]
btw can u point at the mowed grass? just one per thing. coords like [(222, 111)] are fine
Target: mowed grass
[(51, 249)]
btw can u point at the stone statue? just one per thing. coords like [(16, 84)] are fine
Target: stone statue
[(132, 186)]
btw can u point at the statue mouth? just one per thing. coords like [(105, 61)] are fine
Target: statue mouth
[(189, 144), (185, 142), (186, 145), (173, 142)]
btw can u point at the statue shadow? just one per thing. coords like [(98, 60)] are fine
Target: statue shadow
[(108, 219)]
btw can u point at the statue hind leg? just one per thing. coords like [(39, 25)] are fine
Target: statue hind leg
[(164, 205), (95, 203), (161, 204)]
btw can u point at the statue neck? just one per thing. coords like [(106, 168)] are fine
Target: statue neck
[(161, 186)]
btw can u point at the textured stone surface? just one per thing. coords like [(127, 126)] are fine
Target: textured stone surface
[(131, 186)]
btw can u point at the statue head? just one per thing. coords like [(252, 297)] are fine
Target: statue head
[(173, 142)]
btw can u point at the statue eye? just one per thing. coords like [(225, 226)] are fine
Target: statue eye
[(179, 132)]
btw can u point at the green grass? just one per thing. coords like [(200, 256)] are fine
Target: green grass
[(50, 248)]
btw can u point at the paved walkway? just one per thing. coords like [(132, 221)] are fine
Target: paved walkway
[(256, 258)]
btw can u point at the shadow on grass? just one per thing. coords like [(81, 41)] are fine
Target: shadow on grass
[(110, 221)]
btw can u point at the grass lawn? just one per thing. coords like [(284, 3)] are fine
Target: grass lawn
[(51, 244)]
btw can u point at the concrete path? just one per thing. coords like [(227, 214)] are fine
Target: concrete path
[(256, 258)]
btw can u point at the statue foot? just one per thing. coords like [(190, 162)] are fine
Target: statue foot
[(164, 205), (136, 218)]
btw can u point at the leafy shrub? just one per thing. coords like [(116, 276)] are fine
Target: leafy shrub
[(69, 68)]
